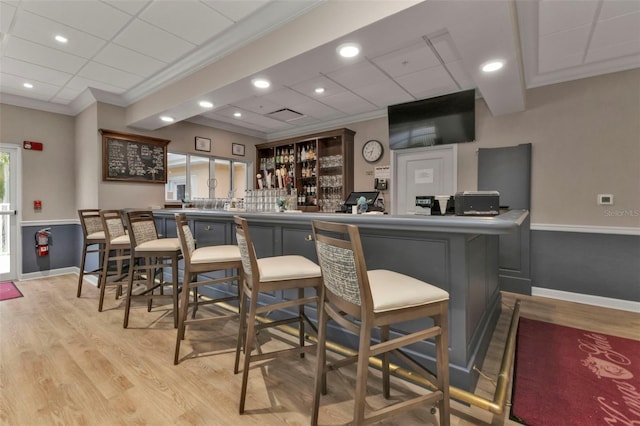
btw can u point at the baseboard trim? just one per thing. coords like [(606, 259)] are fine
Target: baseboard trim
[(615, 230), (605, 302), (91, 279), (52, 222)]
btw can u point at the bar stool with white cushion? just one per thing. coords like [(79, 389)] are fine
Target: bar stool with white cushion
[(360, 300), (271, 274), (198, 261), (92, 235), (150, 255), (117, 245)]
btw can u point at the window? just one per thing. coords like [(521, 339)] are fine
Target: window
[(193, 176)]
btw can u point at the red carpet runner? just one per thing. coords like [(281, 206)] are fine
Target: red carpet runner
[(8, 290), (567, 376)]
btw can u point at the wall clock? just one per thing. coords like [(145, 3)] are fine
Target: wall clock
[(372, 151)]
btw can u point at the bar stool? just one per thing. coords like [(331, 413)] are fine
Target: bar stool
[(270, 274), (150, 254), (360, 300), (92, 235), (200, 261), (117, 246)]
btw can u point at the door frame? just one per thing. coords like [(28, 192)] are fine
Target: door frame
[(15, 229), (421, 153)]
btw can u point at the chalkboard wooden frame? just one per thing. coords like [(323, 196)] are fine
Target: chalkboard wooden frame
[(119, 150)]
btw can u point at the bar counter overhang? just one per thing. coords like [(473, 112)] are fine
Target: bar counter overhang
[(456, 253)]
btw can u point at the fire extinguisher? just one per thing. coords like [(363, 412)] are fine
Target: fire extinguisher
[(42, 241)]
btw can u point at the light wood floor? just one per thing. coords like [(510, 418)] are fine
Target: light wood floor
[(62, 362)]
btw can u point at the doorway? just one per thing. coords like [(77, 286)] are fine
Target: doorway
[(9, 215), (422, 171)]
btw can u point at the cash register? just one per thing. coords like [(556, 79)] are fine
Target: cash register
[(352, 200)]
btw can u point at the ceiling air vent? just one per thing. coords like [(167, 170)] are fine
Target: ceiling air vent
[(285, 114)]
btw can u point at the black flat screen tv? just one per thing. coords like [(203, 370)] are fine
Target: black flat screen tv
[(434, 121)]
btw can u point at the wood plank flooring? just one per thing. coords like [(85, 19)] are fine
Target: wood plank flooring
[(64, 363)]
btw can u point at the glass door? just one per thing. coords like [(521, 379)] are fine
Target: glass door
[(9, 246)]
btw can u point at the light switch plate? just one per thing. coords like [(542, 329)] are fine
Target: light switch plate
[(605, 199)]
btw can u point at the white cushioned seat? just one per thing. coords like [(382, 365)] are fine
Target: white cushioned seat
[(122, 240), (291, 267), (161, 244), (96, 236), (215, 254), (392, 290)]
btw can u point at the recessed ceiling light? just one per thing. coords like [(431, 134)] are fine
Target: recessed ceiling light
[(492, 66), (319, 90), (261, 83), (237, 114), (167, 119), (206, 104), (61, 39), (28, 85), (349, 50)]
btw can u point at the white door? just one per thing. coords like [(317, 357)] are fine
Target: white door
[(422, 171), (9, 201)]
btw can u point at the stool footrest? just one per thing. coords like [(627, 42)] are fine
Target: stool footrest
[(275, 354), (399, 407), (403, 341), (203, 320), (286, 304)]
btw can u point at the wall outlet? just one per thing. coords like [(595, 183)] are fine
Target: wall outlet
[(605, 199)]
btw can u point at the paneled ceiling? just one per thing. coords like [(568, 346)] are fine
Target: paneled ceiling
[(162, 57)]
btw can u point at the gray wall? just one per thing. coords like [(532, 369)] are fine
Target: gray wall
[(65, 247)]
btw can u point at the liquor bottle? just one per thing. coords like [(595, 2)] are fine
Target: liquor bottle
[(291, 155)]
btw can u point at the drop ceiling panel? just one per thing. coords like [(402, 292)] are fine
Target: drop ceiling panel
[(408, 60), (316, 109), (384, 93), (424, 83), (14, 85), (109, 75), (191, 21), (258, 121), (93, 17), (556, 16), (42, 31), (358, 75), (81, 83), (130, 7), (612, 8), (6, 17), (615, 37), (66, 95), (122, 58), (258, 105), (286, 97), (349, 103), (152, 41), (40, 55), (33, 72), (443, 44), (309, 86), (236, 10), (563, 50), (460, 76)]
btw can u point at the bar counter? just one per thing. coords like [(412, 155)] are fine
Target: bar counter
[(456, 253)]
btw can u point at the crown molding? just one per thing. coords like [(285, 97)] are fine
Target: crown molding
[(23, 102)]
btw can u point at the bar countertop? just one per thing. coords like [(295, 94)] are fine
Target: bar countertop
[(504, 223)]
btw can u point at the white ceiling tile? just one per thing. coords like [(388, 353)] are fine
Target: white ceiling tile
[(612, 8), (408, 60), (7, 13), (236, 10), (384, 93), (426, 82), (128, 60), (443, 43), (109, 75), (616, 31), (131, 7), (264, 123), (152, 41), (66, 95), (42, 31), (562, 50), (14, 85), (258, 105), (460, 75), (93, 17), (562, 15), (286, 97), (27, 51), (317, 109), (189, 20), (358, 75), (33, 72), (308, 87), (81, 83), (349, 103)]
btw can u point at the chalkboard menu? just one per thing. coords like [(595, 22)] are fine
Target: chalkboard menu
[(133, 158)]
